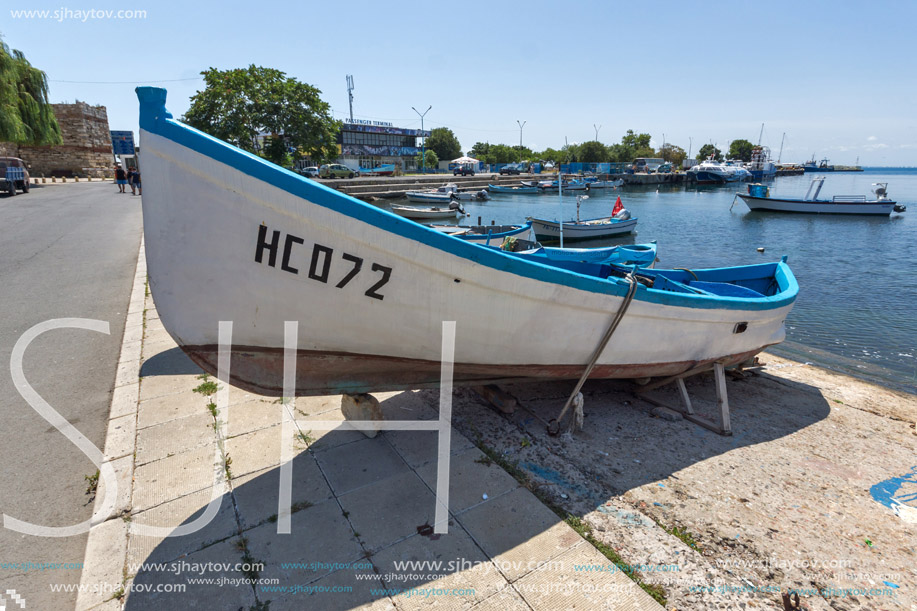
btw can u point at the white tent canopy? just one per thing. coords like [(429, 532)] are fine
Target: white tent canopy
[(464, 160)]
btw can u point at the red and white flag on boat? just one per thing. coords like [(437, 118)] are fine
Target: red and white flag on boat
[(618, 207)]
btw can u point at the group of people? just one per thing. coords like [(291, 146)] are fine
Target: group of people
[(130, 177)]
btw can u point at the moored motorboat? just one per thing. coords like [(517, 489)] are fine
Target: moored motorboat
[(453, 210), (710, 171), (445, 194), (619, 223), (369, 291), (505, 189), (758, 198), (484, 233)]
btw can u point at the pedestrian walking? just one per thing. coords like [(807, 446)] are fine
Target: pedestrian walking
[(137, 181), (120, 179), (131, 173)]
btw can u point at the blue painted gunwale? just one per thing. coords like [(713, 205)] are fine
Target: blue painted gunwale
[(155, 119)]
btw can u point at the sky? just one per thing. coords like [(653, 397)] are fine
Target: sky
[(836, 78)]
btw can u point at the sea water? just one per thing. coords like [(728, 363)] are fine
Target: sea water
[(857, 305)]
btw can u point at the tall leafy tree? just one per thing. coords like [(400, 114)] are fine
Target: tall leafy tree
[(672, 153), (444, 142), (593, 151), (427, 161), (237, 105), (707, 150), (26, 117), (740, 149), (633, 146)]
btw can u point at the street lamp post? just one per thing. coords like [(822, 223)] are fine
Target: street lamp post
[(423, 153), (521, 125), (597, 128)]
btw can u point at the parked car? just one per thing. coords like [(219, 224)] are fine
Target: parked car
[(13, 175), (310, 172), (336, 170), (463, 170), (511, 169)]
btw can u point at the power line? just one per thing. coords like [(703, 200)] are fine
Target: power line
[(174, 80)]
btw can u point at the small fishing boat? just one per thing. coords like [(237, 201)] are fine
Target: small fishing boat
[(369, 291), (445, 194), (604, 184), (485, 233), (637, 255), (417, 212), (619, 223), (758, 198), (520, 190)]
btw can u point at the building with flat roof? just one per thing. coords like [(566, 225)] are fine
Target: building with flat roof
[(370, 144)]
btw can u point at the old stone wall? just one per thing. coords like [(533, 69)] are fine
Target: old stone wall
[(86, 148)]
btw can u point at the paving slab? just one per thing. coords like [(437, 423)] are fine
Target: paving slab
[(257, 493), (507, 599), (174, 437), (258, 450), (169, 407), (124, 477), (252, 415), (560, 585), (119, 440), (390, 510), (422, 447), (231, 593), (518, 532), (159, 548), (357, 464), (319, 534), (328, 593), (158, 386), (173, 477), (465, 586), (107, 546), (472, 477)]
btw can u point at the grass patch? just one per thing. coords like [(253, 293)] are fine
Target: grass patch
[(304, 438), (525, 442), (207, 388), (484, 460)]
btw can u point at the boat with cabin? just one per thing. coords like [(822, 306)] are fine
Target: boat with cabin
[(758, 198)]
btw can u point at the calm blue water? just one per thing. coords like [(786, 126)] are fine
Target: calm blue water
[(857, 275)]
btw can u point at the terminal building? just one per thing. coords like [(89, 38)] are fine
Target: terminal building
[(370, 144)]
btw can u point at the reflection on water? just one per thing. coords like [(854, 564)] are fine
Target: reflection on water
[(857, 275)]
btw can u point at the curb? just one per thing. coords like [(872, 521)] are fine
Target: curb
[(106, 546)]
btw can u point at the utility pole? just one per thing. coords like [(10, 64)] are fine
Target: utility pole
[(423, 154), (597, 128), (521, 125), (350, 94)]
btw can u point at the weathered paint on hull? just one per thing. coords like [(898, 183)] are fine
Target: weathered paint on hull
[(260, 370)]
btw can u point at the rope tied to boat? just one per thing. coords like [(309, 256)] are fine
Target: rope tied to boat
[(554, 424)]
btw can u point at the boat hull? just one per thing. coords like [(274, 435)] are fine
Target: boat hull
[(882, 208), (422, 213), (550, 230), (231, 237), (429, 198)]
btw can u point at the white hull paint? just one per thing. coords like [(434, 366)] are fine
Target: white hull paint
[(225, 245), (876, 208)]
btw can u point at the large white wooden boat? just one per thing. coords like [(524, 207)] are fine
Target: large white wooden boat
[(232, 237), (758, 198)]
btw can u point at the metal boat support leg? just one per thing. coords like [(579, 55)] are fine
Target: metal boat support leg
[(723, 427)]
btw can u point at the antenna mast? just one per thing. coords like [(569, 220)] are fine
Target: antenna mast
[(350, 94)]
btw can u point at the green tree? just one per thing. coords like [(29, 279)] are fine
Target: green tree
[(550, 154), (672, 153), (427, 163), (633, 146), (740, 149), (236, 105), (26, 117), (444, 142), (593, 151), (707, 150)]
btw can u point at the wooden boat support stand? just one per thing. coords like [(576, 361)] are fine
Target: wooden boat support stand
[(723, 427)]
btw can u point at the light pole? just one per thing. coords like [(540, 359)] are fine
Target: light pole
[(597, 128), (521, 125), (423, 154)]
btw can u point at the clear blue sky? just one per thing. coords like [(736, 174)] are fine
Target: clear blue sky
[(837, 77)]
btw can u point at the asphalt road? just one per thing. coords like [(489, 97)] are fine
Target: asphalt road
[(66, 250)]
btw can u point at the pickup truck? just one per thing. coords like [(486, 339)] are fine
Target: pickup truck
[(13, 175)]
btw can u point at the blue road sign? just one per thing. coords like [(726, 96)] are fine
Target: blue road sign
[(122, 142)]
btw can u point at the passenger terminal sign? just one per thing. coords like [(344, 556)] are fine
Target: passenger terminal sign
[(122, 143), (366, 122)]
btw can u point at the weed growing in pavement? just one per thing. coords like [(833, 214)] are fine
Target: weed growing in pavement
[(92, 483), (304, 438)]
